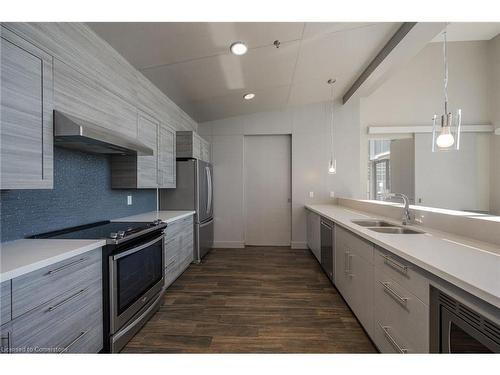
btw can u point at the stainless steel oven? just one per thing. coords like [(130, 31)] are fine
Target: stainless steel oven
[(136, 279), (456, 328)]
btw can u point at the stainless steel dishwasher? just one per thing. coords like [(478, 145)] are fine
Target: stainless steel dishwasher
[(327, 248)]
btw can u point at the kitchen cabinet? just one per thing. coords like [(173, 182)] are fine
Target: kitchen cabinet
[(58, 309), (354, 274), (179, 248), (147, 171), (5, 302), (388, 295), (26, 108), (401, 320), (192, 145), (313, 234), (166, 157)]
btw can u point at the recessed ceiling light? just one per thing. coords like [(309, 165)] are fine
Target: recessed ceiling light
[(238, 48), (249, 96)]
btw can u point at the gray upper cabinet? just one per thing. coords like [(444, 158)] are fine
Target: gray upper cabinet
[(26, 115), (152, 171), (83, 97), (166, 157), (147, 166), (191, 145)]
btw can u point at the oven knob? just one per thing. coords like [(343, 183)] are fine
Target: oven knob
[(121, 234), (113, 235), (157, 222)]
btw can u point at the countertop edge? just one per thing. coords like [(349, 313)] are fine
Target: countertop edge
[(23, 270), (482, 294)]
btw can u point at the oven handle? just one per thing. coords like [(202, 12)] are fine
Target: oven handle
[(138, 248)]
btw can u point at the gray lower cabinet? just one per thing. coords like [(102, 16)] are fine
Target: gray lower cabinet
[(26, 108), (354, 274), (313, 234), (192, 145), (388, 295), (5, 302), (179, 247), (57, 309)]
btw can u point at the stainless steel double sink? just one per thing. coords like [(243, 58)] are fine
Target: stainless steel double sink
[(381, 226)]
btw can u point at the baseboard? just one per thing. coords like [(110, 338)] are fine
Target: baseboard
[(299, 245), (229, 244)]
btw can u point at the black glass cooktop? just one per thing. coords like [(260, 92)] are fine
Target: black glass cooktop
[(97, 231)]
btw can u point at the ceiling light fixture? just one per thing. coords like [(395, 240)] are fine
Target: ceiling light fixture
[(238, 48), (249, 96), (332, 165), (446, 136)]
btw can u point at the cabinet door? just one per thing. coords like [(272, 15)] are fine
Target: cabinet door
[(147, 166), (166, 157), (26, 131), (313, 234), (361, 298)]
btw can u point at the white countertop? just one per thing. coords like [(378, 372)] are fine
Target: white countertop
[(471, 265), (27, 255), (165, 216), (23, 256)]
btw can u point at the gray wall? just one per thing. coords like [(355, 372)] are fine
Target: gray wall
[(82, 194), (310, 130)]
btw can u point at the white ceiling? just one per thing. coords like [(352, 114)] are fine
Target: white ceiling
[(191, 62), (470, 31)]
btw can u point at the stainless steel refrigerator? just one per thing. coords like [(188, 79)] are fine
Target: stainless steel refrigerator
[(194, 191)]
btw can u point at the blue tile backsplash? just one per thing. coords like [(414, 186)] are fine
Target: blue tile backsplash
[(82, 194)]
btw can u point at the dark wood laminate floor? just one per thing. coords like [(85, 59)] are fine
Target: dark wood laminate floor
[(253, 300)]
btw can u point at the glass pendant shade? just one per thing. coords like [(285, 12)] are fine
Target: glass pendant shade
[(446, 133), (332, 166)]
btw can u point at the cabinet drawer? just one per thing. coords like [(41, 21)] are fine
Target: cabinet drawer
[(5, 302), (71, 322), (404, 273), (36, 288), (401, 313), (348, 241)]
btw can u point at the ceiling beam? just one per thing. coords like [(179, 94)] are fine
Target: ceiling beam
[(406, 42)]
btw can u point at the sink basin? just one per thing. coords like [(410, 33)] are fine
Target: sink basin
[(373, 223), (395, 230)]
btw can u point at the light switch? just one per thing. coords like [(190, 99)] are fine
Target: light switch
[(332, 194), (129, 200), (311, 194)]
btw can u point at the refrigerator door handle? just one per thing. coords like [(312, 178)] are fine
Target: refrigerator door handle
[(209, 192)]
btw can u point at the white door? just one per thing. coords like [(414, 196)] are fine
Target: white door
[(268, 190)]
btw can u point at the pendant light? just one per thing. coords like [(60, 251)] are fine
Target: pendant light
[(446, 135), (332, 165)]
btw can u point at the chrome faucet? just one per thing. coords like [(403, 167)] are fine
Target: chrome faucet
[(406, 212)]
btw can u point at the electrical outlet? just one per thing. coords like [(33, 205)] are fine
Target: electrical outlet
[(129, 200), (332, 194), (311, 194)]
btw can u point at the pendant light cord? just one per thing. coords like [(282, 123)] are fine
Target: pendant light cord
[(333, 104), (445, 54)]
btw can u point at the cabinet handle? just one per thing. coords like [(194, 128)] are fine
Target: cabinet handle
[(391, 339), (395, 264), (5, 348), (77, 338), (387, 287), (63, 302), (347, 264), (54, 271)]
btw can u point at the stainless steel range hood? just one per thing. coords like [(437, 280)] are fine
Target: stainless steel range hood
[(75, 133)]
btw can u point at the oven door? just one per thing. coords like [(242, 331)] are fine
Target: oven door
[(136, 277), (458, 336)]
